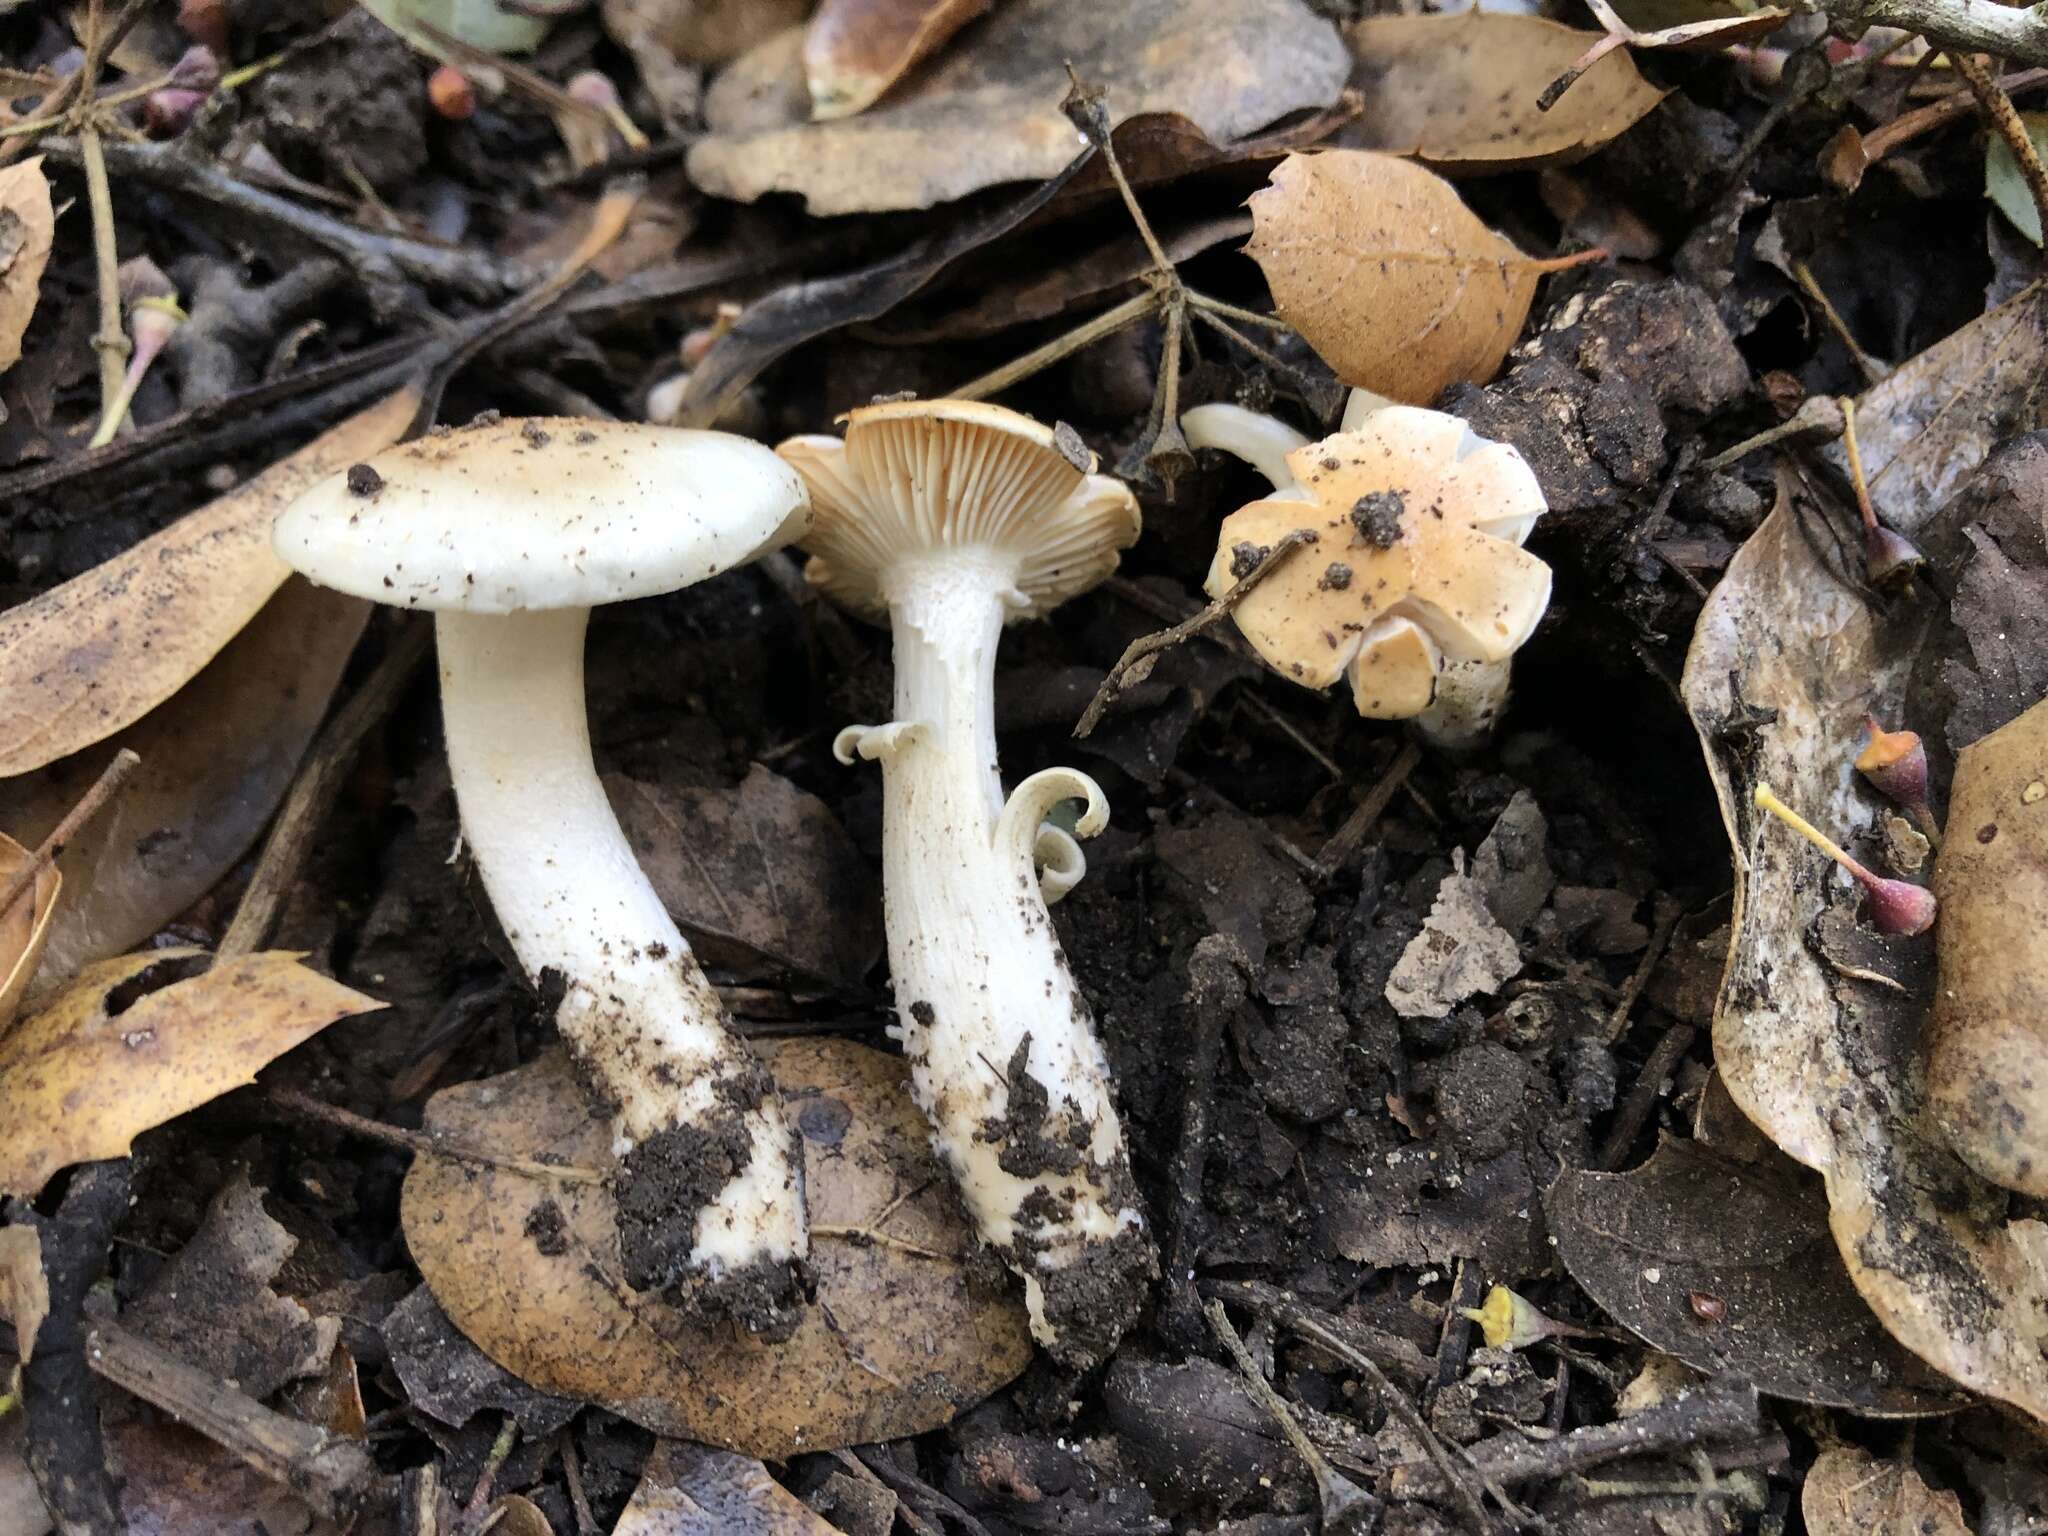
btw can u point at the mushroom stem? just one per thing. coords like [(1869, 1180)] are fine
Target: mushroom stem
[(1469, 700), (707, 1185), (1004, 1059), (1261, 441)]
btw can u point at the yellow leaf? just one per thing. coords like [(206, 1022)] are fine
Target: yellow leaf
[(85, 659), (24, 928), (101, 1065), (1393, 281), (26, 223)]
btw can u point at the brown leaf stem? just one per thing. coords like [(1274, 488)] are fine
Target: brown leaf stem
[(103, 789)]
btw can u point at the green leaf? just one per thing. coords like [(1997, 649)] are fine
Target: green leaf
[(2004, 184)]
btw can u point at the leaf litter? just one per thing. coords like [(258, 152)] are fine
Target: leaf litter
[(1369, 1084)]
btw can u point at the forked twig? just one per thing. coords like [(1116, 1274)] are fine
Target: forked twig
[(1136, 662)]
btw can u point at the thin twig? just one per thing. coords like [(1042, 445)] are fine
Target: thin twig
[(111, 340), (1858, 483), (100, 42), (387, 265), (1309, 1327), (1818, 420), (425, 1143), (1635, 1109), (314, 789), (1873, 370), (1715, 1412), (2007, 124), (1216, 990), (103, 789), (330, 1472), (1129, 665), (1617, 1020), (1345, 840), (1342, 1499), (1130, 312)]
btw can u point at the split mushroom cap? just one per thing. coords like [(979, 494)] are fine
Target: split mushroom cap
[(520, 515), (916, 477), (1417, 561)]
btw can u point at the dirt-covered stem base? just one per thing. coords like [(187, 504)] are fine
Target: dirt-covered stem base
[(1003, 1053), (709, 1196)]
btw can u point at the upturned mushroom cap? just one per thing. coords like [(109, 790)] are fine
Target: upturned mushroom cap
[(541, 513), (1417, 560), (918, 477)]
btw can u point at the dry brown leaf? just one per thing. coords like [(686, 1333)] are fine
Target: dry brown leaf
[(213, 1304), (176, 1482), (26, 226), (1755, 1237), (24, 929), (216, 758), (692, 1490), (989, 112), (113, 1057), (1818, 1025), (854, 50), (1393, 281), (761, 878), (1991, 1007), (898, 1341), (79, 662), (1849, 1492), (1460, 91), (1925, 427)]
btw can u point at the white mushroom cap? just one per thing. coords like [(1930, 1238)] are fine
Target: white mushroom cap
[(915, 478), (540, 513)]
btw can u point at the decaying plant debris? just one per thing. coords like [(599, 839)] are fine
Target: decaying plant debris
[(1384, 1127)]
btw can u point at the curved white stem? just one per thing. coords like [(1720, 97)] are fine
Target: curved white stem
[(1261, 441), (635, 1010), (1004, 1059)]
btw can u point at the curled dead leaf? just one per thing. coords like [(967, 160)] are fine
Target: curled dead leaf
[(1460, 91), (989, 113), (1395, 283), (898, 1341), (854, 50), (24, 927), (1991, 1005), (139, 1040), (27, 225), (85, 659)]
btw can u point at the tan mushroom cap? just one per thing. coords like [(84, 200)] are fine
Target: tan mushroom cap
[(510, 515), (1417, 560), (915, 477)]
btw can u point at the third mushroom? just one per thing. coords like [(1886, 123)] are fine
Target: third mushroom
[(947, 520)]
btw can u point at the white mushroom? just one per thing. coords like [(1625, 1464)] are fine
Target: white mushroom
[(946, 520), (1407, 619), (510, 532)]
